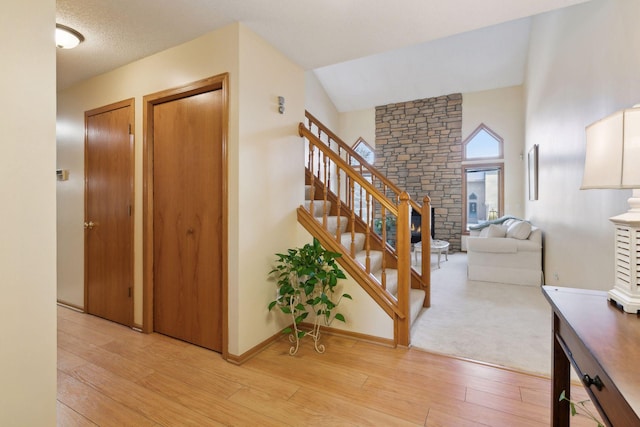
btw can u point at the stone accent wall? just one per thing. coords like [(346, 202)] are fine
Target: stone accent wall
[(419, 147)]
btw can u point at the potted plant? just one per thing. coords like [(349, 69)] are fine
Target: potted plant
[(307, 279), (390, 226)]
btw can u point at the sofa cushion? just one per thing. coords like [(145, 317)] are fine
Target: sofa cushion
[(519, 230), (496, 231), (510, 221)]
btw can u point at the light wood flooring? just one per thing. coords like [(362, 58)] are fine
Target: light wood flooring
[(110, 375)]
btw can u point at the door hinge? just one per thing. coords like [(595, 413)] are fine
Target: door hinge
[(129, 208), (129, 128), (129, 291)]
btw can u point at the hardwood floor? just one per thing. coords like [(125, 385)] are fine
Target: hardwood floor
[(110, 375)]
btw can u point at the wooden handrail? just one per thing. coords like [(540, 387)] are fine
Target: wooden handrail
[(333, 178), (352, 153), (388, 204)]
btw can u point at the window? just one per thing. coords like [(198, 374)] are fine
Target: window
[(365, 150), (368, 154), (482, 177)]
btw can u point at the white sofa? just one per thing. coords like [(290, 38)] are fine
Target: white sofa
[(509, 252)]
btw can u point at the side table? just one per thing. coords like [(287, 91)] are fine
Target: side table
[(438, 246)]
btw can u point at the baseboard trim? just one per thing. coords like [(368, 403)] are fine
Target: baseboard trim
[(354, 335), (70, 306), (240, 359)]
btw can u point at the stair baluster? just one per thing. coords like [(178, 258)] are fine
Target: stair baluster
[(337, 178)]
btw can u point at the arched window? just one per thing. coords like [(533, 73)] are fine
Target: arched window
[(482, 177)]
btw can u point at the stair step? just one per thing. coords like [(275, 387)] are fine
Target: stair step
[(391, 280), (332, 223), (307, 192), (416, 301), (318, 207), (359, 239), (375, 259), (416, 296)]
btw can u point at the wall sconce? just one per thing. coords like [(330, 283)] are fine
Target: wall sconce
[(281, 104), (612, 159), (67, 38)]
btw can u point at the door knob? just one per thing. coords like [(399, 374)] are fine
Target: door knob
[(89, 225)]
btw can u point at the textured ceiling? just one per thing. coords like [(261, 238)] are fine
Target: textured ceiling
[(317, 35)]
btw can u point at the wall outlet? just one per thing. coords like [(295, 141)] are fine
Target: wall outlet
[(556, 277)]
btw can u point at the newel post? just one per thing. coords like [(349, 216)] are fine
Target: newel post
[(425, 228), (403, 249)]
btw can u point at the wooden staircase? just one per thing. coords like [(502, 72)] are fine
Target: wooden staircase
[(348, 207)]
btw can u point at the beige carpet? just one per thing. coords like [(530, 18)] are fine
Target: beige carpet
[(501, 324)]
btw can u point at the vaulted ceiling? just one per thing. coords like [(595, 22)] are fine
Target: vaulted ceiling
[(364, 52)]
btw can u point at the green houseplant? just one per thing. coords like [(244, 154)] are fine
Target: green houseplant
[(576, 407), (306, 283)]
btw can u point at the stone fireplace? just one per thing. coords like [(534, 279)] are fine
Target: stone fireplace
[(419, 147)]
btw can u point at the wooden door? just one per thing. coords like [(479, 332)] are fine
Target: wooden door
[(187, 218), (108, 212)]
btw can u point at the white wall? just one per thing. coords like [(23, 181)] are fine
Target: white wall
[(27, 229), (502, 110), (583, 65)]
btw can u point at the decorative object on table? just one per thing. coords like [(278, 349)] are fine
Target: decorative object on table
[(612, 159), (307, 279)]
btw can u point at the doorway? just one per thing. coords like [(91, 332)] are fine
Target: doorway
[(108, 237), (185, 213)]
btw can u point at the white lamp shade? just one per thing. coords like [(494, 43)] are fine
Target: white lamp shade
[(613, 151)]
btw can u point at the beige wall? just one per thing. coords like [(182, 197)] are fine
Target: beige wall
[(318, 103), (206, 56), (583, 65), (502, 110), (355, 124), (269, 185), (263, 152), (28, 246)]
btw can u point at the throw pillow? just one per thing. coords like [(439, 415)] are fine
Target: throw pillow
[(519, 230), (495, 230), (508, 222)]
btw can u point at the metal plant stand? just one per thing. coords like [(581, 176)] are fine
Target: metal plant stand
[(294, 337)]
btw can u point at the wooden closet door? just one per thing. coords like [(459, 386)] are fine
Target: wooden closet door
[(187, 218), (108, 212)]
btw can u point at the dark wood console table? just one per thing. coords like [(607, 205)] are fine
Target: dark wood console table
[(603, 345)]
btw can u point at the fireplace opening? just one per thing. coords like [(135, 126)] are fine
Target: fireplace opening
[(416, 224)]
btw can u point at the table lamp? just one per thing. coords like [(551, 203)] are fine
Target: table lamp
[(613, 161)]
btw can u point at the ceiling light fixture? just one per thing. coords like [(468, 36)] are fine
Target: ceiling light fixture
[(67, 38)]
